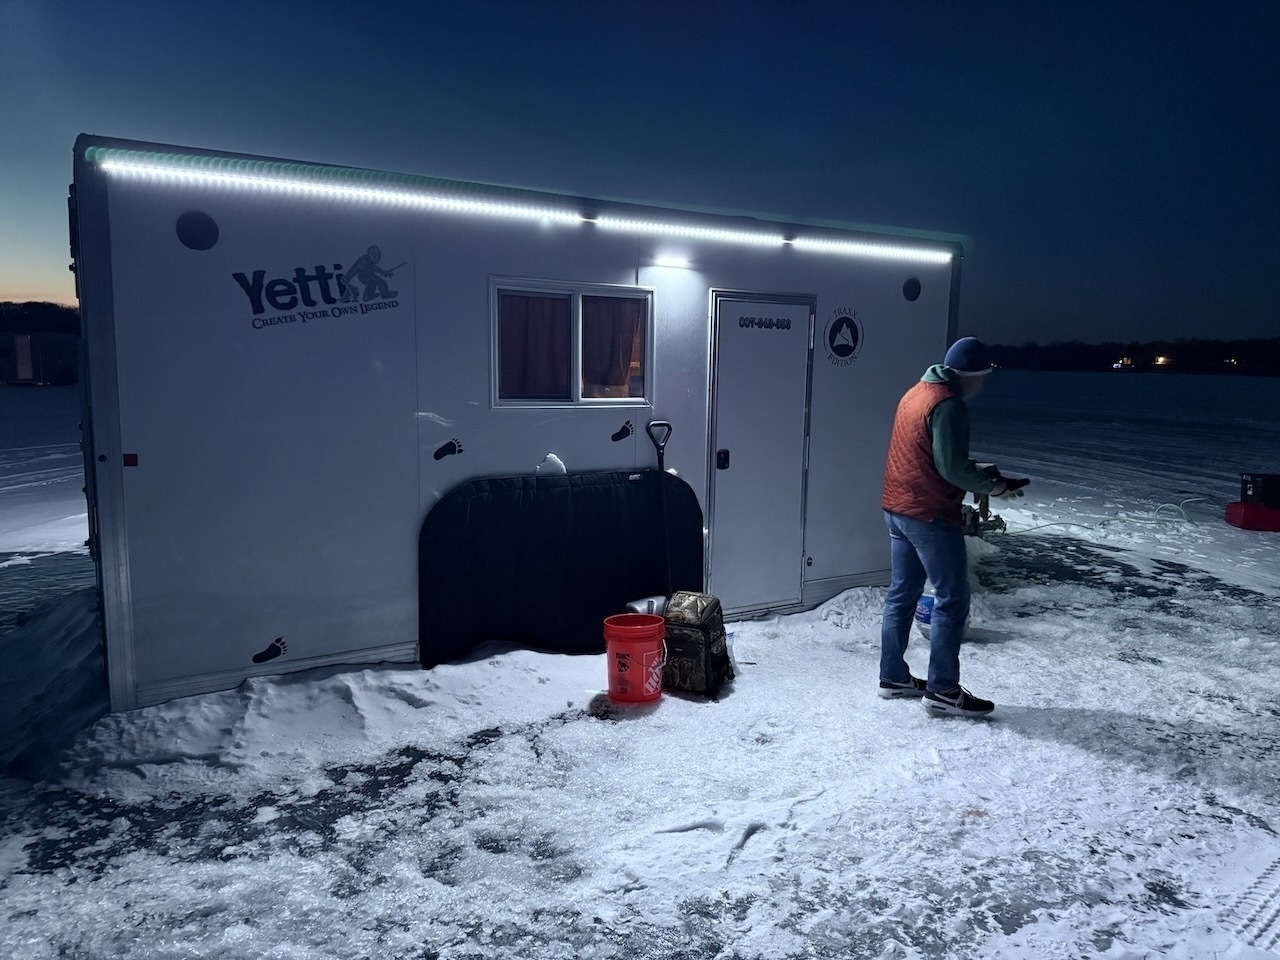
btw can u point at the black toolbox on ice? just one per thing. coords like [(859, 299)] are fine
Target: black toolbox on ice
[(1263, 488)]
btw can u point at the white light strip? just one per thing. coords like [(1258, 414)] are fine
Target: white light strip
[(882, 251), (339, 192), (688, 230), (428, 201)]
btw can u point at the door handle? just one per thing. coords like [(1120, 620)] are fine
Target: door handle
[(722, 459)]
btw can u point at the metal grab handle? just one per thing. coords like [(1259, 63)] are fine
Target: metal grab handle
[(659, 445)]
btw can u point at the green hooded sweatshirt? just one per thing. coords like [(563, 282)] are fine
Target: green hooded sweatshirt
[(949, 424)]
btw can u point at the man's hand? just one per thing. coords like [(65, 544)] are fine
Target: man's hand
[(1010, 488)]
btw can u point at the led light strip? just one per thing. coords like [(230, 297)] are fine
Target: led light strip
[(426, 201), (688, 230), (881, 251), (337, 192)]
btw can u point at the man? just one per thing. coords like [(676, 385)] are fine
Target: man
[(926, 477)]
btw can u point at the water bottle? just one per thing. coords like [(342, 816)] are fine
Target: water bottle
[(924, 611)]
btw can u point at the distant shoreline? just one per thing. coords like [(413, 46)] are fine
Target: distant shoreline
[(1154, 373), (1231, 358)]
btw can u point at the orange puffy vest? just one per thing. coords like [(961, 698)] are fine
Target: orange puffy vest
[(912, 484)]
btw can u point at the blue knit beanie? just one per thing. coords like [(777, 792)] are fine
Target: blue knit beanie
[(969, 357)]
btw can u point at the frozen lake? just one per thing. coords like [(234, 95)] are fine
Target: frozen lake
[(1120, 804)]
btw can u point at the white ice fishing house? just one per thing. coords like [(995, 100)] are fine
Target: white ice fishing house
[(288, 364)]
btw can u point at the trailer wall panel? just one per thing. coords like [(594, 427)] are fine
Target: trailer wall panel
[(284, 377)]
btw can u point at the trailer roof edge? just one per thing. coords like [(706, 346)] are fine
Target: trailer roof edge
[(99, 149)]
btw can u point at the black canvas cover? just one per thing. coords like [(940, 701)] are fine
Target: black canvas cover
[(541, 561)]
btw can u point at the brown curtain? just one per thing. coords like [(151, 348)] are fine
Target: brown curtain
[(534, 341), (612, 334)]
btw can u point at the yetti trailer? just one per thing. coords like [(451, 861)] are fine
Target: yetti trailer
[(288, 364)]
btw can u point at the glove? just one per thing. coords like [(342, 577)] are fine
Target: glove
[(1012, 487)]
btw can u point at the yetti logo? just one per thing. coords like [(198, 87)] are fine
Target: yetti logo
[(364, 282)]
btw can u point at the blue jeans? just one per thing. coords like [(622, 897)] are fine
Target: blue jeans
[(918, 550)]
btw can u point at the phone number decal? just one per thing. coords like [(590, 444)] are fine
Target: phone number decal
[(765, 323)]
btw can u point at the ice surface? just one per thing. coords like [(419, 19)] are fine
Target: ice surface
[(1120, 804)]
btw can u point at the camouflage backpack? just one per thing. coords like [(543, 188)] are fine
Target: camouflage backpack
[(697, 651)]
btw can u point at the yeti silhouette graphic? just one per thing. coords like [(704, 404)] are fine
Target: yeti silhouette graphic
[(369, 278)]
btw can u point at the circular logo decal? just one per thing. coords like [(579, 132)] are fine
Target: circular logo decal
[(844, 337)]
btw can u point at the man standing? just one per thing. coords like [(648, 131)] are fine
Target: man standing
[(926, 476)]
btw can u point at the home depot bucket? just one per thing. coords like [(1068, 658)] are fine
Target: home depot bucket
[(633, 647)]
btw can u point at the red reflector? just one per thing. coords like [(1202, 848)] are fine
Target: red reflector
[(130, 459)]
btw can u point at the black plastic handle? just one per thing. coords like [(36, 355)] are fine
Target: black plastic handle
[(659, 445)]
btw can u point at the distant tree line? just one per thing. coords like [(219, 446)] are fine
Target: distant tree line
[(1259, 357), (39, 344)]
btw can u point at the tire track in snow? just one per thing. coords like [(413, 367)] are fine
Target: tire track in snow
[(1257, 910)]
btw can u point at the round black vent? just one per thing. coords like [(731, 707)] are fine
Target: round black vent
[(197, 230)]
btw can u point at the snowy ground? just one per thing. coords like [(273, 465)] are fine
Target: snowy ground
[(42, 512), (1121, 803)]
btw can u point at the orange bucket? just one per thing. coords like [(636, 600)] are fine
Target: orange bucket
[(634, 645)]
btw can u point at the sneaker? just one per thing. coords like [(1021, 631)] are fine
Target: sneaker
[(956, 703), (911, 687)]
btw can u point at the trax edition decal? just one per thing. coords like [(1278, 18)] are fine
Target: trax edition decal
[(844, 337), (321, 293)]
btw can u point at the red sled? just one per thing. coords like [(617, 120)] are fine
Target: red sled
[(1253, 516)]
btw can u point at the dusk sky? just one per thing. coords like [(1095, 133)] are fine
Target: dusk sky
[(1112, 165)]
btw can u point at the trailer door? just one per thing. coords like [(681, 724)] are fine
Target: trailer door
[(760, 426)]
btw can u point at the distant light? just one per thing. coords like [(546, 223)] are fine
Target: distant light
[(877, 250), (667, 261), (1160, 361), (691, 230)]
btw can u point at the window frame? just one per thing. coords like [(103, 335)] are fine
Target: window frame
[(575, 291)]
